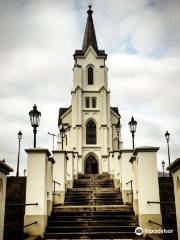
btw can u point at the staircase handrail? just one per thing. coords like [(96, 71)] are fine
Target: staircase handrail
[(20, 204), (131, 193)]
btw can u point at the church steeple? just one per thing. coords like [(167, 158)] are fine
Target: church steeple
[(89, 38), (89, 35)]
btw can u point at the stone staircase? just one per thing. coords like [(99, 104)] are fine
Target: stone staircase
[(93, 209)]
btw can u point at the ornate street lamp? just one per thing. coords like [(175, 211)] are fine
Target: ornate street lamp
[(163, 165), (132, 127), (35, 116), (118, 127), (62, 134), (53, 135), (19, 138), (167, 136)]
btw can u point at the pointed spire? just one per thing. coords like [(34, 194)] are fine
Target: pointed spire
[(90, 35)]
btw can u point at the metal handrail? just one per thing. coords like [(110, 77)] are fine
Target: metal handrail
[(21, 204), (54, 189), (148, 202), (131, 193), (156, 223), (129, 182), (57, 182), (30, 224), (17, 229), (159, 224)]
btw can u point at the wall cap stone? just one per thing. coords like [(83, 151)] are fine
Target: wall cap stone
[(174, 166), (5, 168), (145, 149), (126, 150), (38, 150), (58, 151)]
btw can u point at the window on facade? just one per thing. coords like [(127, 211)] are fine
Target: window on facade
[(87, 102), (90, 76), (93, 102), (91, 132)]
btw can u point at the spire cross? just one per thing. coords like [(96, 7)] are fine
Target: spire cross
[(90, 10)]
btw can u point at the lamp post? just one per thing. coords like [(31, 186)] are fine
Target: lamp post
[(62, 134), (163, 165), (19, 138), (132, 127), (167, 136), (24, 172), (53, 135), (118, 131), (35, 116)]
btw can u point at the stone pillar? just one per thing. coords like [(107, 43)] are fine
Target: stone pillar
[(50, 184), (126, 175), (59, 175), (111, 164), (36, 191), (75, 156), (105, 164), (80, 164), (148, 187), (4, 171), (175, 171), (117, 169), (135, 187), (70, 168)]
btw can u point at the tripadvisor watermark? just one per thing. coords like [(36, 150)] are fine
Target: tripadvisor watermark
[(139, 231)]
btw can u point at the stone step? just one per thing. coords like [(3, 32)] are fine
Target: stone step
[(92, 202), (94, 176), (96, 189), (92, 222), (95, 208), (94, 218), (92, 235), (96, 197), (93, 213), (99, 228)]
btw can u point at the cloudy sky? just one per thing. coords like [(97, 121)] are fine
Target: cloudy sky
[(37, 41)]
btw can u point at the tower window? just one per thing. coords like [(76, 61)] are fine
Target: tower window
[(90, 76), (91, 132), (87, 102), (93, 102)]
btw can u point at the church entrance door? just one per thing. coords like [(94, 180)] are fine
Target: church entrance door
[(91, 165)]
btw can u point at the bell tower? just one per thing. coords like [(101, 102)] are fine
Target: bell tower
[(92, 121)]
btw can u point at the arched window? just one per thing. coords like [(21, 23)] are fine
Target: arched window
[(90, 76), (91, 132)]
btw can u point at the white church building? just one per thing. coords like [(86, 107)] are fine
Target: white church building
[(90, 121)]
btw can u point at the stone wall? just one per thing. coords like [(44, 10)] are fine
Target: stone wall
[(14, 215), (166, 189)]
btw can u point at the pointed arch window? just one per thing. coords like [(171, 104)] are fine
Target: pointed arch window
[(90, 76), (90, 132)]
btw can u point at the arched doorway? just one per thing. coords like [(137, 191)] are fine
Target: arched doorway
[(91, 165)]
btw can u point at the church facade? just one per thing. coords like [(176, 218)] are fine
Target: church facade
[(91, 123)]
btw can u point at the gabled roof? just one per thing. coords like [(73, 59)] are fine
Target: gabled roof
[(89, 37), (61, 112), (116, 110), (5, 168)]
